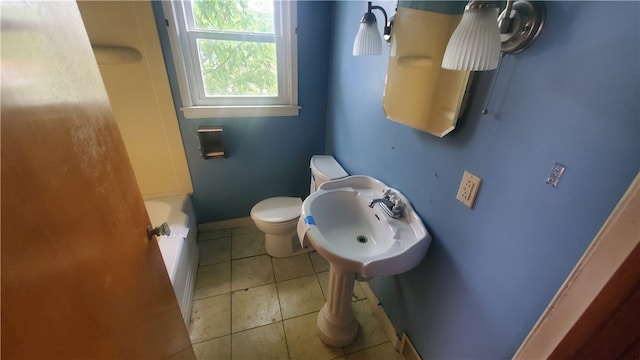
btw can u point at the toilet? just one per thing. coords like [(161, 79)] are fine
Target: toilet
[(277, 217)]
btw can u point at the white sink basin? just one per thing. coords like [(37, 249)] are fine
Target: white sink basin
[(359, 241), (349, 234)]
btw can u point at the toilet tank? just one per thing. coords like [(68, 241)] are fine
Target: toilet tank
[(323, 169)]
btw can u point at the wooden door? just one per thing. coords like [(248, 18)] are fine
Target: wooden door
[(610, 327), (596, 312), (80, 279)]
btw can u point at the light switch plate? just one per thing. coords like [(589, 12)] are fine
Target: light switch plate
[(468, 189), (556, 173)]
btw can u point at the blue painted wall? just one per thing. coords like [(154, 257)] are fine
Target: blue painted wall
[(573, 98), (265, 156)]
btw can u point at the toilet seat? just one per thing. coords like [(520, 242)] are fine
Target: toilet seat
[(277, 209)]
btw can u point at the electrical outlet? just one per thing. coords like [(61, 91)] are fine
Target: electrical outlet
[(468, 189)]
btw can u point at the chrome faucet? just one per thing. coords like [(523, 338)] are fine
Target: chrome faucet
[(393, 206)]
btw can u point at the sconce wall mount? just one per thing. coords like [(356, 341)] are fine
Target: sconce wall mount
[(523, 25), (368, 40), (480, 36)]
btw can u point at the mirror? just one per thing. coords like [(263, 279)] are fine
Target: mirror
[(418, 92)]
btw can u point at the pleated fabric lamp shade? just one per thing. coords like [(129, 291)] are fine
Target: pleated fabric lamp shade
[(368, 41), (475, 44)]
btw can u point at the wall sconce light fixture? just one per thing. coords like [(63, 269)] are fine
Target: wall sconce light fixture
[(481, 35), (368, 41)]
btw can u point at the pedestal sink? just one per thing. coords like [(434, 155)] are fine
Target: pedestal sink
[(360, 242)]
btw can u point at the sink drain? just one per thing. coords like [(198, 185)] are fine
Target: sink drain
[(362, 239)]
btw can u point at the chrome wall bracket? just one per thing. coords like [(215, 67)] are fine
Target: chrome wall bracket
[(523, 25)]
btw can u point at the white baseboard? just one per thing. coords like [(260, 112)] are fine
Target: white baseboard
[(225, 224)]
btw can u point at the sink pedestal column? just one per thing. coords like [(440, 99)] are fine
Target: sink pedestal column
[(337, 324)]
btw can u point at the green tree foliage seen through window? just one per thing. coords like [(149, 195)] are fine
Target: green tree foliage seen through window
[(232, 68)]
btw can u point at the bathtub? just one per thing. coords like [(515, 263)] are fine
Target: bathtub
[(180, 254)]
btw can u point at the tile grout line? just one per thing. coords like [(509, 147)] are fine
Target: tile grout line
[(229, 293), (286, 342), (280, 305), (275, 282), (231, 296)]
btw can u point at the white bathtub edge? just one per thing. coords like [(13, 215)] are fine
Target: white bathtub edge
[(179, 254)]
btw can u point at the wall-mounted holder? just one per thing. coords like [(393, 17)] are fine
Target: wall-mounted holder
[(211, 143)]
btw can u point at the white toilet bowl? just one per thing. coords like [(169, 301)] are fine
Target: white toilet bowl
[(277, 217)]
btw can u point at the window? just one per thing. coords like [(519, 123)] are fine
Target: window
[(235, 58)]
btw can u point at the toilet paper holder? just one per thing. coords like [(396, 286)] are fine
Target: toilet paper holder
[(211, 142)]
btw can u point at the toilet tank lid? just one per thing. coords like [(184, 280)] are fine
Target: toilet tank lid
[(277, 209), (327, 166)]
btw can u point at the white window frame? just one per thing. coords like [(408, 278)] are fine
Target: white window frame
[(182, 39)]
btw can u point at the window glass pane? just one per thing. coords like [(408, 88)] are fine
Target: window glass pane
[(231, 68), (234, 15)]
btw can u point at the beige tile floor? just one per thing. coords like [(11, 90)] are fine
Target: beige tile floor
[(248, 305)]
